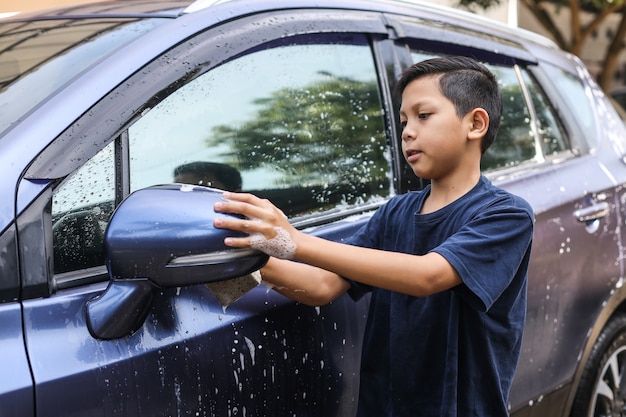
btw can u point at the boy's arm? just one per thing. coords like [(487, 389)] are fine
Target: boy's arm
[(304, 283), (405, 273), (417, 275)]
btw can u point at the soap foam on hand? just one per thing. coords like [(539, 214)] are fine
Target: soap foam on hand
[(229, 291), (280, 246)]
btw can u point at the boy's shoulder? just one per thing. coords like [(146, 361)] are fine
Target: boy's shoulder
[(485, 196), (498, 195)]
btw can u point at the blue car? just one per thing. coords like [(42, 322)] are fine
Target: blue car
[(120, 122)]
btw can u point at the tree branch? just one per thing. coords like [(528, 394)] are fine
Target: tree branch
[(546, 21), (599, 18), (612, 53)]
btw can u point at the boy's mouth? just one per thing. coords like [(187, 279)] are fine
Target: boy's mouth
[(412, 155)]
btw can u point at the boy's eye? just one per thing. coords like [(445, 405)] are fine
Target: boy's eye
[(403, 123), (423, 115)]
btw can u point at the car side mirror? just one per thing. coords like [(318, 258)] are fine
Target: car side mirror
[(162, 237)]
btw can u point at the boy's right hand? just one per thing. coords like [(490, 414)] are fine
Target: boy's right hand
[(268, 228)]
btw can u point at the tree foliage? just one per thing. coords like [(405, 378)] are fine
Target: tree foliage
[(580, 30), (331, 130)]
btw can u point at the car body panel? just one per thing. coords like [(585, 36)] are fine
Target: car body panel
[(16, 392), (562, 301), (189, 346)]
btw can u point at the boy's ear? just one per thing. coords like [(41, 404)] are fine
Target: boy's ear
[(479, 119)]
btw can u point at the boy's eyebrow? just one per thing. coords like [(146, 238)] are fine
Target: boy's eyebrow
[(415, 106)]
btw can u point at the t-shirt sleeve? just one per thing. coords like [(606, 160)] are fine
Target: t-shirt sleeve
[(488, 251)]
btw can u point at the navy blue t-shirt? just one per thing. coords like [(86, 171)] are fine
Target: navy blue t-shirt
[(453, 353)]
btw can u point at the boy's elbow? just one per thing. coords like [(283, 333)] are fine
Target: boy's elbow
[(439, 276), (438, 283)]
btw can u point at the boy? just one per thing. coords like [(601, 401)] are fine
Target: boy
[(446, 266)]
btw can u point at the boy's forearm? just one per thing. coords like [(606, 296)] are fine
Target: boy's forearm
[(303, 283), (409, 274)]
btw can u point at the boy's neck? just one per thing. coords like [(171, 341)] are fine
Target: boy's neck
[(445, 191)]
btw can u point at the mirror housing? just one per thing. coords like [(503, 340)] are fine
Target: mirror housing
[(165, 233), (161, 237)]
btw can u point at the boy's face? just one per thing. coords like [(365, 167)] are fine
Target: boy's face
[(434, 139)]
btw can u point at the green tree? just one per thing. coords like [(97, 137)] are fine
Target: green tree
[(331, 131), (579, 31)]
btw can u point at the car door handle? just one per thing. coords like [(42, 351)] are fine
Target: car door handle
[(591, 213)]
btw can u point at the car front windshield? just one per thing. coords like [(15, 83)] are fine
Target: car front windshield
[(37, 58)]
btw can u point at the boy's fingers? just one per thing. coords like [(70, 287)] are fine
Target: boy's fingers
[(246, 209), (237, 242), (228, 195), (254, 209), (251, 199), (247, 226), (244, 198)]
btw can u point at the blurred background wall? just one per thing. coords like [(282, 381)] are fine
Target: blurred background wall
[(7, 6)]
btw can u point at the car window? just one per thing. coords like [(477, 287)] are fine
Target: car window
[(577, 96), (81, 208), (298, 122), (523, 136), (551, 134), (310, 137), (515, 142)]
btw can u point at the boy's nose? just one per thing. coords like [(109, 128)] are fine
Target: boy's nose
[(408, 134)]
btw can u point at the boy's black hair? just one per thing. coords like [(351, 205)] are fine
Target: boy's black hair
[(464, 81), (226, 174)]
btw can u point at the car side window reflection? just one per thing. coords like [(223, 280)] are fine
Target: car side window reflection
[(81, 208), (523, 136), (550, 132), (578, 96), (298, 122), (515, 142)]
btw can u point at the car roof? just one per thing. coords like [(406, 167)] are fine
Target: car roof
[(176, 8)]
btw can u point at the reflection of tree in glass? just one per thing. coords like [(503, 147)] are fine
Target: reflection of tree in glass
[(329, 132), (514, 142)]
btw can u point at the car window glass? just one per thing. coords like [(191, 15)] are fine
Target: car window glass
[(300, 124), (418, 56), (81, 208), (550, 132), (577, 97), (515, 142)]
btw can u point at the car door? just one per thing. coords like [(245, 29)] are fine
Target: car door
[(324, 159), (576, 257), (545, 157)]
